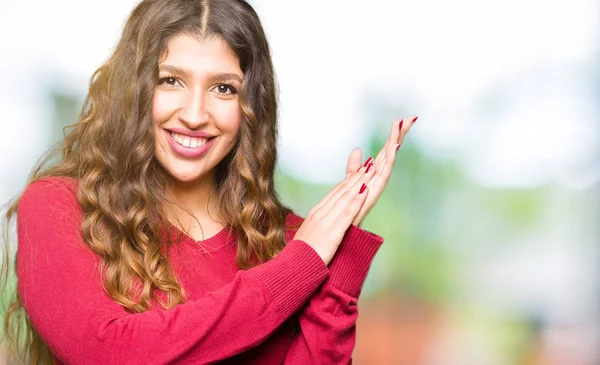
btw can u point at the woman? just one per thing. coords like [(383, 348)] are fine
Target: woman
[(159, 239)]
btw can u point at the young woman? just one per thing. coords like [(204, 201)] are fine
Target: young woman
[(159, 239)]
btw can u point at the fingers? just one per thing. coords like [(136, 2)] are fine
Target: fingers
[(389, 145), (400, 128), (324, 229), (354, 162), (347, 205), (403, 129), (364, 175), (341, 200), (395, 126), (341, 187)]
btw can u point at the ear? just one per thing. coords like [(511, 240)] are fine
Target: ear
[(354, 162)]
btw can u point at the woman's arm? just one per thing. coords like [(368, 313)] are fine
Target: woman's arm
[(59, 285), (327, 331)]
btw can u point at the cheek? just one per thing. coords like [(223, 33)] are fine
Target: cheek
[(163, 106), (160, 114), (230, 118)]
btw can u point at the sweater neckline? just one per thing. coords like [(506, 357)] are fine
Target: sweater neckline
[(209, 244)]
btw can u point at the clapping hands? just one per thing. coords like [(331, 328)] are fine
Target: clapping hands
[(352, 199)]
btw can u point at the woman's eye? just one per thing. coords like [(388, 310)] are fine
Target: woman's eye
[(223, 88), (169, 81)]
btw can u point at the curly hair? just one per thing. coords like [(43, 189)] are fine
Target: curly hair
[(121, 188)]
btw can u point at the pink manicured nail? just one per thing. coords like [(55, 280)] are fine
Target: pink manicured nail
[(369, 168), (362, 188), (400, 126), (368, 161), (397, 147)]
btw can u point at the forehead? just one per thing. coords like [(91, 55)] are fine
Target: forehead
[(212, 54)]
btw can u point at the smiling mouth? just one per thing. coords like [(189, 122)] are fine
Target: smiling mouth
[(189, 142)]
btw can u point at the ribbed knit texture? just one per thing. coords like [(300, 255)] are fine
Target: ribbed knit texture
[(276, 276), (353, 259)]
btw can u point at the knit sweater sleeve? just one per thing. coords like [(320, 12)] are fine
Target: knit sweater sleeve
[(60, 288), (327, 324)]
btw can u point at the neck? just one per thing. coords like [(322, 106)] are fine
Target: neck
[(196, 198)]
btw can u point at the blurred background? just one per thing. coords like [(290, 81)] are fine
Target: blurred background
[(491, 217)]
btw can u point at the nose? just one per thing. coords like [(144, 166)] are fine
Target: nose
[(194, 111)]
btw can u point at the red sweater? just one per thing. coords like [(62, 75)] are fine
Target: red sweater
[(231, 315)]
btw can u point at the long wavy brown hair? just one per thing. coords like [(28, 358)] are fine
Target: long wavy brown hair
[(121, 189)]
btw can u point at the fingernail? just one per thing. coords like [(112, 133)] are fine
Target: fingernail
[(368, 161), (414, 120), (400, 126), (369, 168), (362, 188), (397, 147)]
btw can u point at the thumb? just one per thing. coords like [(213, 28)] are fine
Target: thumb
[(354, 161)]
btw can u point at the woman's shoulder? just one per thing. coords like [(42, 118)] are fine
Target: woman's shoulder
[(292, 223), (48, 190), (53, 185), (292, 220)]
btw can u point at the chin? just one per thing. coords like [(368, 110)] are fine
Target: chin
[(186, 177), (183, 174)]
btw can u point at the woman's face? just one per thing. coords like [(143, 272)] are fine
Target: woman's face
[(196, 106)]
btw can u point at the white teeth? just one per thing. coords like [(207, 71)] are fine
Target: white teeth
[(189, 142)]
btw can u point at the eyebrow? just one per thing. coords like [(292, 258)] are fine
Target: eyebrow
[(214, 76)]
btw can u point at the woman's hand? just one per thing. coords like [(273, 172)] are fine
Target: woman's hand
[(326, 223), (383, 165)]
